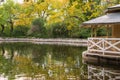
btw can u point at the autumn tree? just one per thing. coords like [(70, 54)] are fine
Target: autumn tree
[(10, 9), (25, 14), (3, 19), (71, 13)]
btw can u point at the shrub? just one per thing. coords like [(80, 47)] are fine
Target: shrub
[(59, 30), (20, 31), (102, 31), (77, 32), (38, 29)]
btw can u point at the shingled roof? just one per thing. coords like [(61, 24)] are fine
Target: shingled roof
[(112, 17), (113, 9)]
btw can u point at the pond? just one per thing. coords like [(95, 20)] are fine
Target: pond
[(27, 61)]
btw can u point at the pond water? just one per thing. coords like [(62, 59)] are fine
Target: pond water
[(27, 61)]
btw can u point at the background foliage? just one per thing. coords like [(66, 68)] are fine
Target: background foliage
[(50, 18)]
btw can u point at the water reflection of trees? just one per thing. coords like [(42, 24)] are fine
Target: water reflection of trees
[(56, 62)]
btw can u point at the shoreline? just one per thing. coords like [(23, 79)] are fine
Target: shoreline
[(58, 41)]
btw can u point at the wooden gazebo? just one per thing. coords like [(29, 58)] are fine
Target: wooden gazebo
[(105, 47)]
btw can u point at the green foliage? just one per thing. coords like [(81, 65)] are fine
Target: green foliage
[(3, 15), (44, 13), (101, 32), (38, 22), (10, 8), (80, 32), (85, 32), (59, 30), (20, 31), (38, 29)]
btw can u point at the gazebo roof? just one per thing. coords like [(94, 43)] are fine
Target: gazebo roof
[(113, 9), (112, 17), (116, 6)]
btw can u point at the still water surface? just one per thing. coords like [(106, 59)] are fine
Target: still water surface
[(27, 61)]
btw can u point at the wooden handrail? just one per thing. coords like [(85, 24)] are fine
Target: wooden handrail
[(104, 45)]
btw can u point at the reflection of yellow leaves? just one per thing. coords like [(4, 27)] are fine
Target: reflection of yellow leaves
[(22, 60), (26, 65)]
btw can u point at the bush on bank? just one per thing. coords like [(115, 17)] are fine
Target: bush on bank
[(38, 29)]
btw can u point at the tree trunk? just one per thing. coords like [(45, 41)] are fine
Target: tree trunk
[(11, 26), (3, 27)]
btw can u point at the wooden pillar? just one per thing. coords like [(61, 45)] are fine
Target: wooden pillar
[(107, 30), (116, 31), (108, 27), (93, 31)]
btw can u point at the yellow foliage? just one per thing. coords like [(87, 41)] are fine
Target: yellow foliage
[(23, 60), (55, 17), (23, 21), (58, 3), (25, 15), (38, 8), (69, 27)]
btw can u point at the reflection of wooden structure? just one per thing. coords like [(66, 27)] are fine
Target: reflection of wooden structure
[(99, 73), (105, 47)]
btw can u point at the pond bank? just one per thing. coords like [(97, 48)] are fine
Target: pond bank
[(59, 41)]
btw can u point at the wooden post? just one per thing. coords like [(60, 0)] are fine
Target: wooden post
[(91, 31), (108, 31), (95, 31), (116, 30)]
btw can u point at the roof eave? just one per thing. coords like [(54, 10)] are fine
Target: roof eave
[(97, 24)]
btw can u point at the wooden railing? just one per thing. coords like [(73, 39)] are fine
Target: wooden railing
[(104, 46)]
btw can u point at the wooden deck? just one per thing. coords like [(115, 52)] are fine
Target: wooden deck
[(103, 50)]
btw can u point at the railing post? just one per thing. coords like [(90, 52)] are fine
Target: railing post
[(88, 44), (103, 42), (104, 45)]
